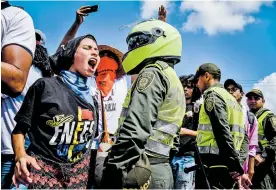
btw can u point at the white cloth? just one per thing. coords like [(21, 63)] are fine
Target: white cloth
[(10, 107), (17, 28), (112, 104)]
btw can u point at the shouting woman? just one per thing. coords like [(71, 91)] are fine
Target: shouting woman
[(60, 117)]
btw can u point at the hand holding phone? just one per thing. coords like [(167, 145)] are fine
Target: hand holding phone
[(91, 9), (84, 11)]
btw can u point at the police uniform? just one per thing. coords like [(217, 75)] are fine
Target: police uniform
[(265, 175), (221, 132), (152, 112)]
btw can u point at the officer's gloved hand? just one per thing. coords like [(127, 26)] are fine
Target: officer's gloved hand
[(112, 178), (271, 157)]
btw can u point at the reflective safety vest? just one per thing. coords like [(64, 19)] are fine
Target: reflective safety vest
[(170, 114), (206, 141), (261, 136)]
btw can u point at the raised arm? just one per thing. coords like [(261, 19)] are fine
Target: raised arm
[(81, 13)]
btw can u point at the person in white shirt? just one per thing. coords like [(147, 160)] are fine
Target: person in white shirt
[(17, 74)]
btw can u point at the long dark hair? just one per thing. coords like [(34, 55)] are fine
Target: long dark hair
[(185, 80), (41, 61)]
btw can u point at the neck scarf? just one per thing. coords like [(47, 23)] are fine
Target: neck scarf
[(78, 84)]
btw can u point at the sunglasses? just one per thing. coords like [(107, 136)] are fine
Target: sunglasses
[(230, 90), (254, 98)]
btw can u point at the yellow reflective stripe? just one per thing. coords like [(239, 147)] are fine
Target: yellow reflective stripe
[(234, 128), (205, 127), (218, 166), (166, 127), (208, 150), (237, 128), (157, 148)]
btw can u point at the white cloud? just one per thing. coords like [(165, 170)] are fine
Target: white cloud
[(268, 87), (149, 8), (220, 16)]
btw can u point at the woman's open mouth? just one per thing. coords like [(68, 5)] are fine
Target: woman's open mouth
[(92, 63)]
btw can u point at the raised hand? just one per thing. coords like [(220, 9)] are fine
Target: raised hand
[(162, 13), (81, 13)]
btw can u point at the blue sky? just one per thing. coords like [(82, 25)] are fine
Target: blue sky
[(247, 54)]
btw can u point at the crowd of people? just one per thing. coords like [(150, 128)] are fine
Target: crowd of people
[(71, 121)]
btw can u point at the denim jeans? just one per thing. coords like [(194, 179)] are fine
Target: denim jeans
[(7, 169), (183, 180)]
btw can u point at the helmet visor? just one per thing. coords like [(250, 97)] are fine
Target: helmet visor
[(138, 39)]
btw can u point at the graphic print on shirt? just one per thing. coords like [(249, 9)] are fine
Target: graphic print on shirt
[(71, 136), (109, 102)]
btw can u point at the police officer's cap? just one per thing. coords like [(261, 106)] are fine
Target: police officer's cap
[(255, 92), (207, 67)]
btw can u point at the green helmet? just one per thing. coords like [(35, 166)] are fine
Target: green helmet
[(151, 39)]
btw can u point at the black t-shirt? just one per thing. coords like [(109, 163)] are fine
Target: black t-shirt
[(61, 124), (186, 148)]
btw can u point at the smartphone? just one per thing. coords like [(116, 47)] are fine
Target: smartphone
[(93, 8)]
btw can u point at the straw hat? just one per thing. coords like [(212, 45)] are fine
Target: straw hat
[(118, 53)]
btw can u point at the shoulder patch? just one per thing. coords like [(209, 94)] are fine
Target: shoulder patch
[(144, 81), (209, 103), (273, 121)]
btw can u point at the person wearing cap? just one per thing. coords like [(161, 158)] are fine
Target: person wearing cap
[(265, 168), (185, 156), (60, 117), (220, 132), (251, 125), (152, 112), (17, 75)]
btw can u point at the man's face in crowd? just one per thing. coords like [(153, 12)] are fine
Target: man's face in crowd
[(188, 90), (255, 102), (234, 91)]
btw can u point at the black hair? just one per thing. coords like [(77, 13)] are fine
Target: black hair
[(64, 57), (185, 80), (41, 61)]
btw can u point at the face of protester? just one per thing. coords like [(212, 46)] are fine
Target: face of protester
[(235, 92), (255, 102), (188, 90), (86, 58)]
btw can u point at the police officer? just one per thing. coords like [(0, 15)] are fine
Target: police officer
[(220, 132), (251, 127), (265, 175), (152, 112)]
